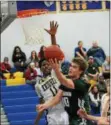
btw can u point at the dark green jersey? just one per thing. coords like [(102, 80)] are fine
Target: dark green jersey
[(93, 68), (74, 98)]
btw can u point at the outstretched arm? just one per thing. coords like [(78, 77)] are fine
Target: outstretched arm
[(84, 115), (99, 120), (39, 115), (63, 80), (52, 102), (52, 31)]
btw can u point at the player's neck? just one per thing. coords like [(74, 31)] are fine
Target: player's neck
[(75, 77), (45, 75)]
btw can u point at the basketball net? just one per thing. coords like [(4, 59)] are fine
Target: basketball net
[(33, 33)]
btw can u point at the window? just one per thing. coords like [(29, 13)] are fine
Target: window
[(4, 10)]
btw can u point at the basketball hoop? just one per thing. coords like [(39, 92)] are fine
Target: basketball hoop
[(33, 34)]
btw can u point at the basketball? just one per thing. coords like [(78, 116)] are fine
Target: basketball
[(53, 52)]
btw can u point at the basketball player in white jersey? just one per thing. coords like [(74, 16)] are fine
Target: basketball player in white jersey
[(46, 89)]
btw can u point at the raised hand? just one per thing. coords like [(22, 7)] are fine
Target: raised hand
[(53, 28), (54, 64)]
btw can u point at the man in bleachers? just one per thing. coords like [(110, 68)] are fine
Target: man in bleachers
[(97, 52), (80, 51), (93, 69), (101, 86)]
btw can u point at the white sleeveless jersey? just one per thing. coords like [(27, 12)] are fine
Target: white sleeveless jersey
[(47, 88)]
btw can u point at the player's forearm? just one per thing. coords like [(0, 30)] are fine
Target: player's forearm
[(99, 120), (103, 121), (38, 117), (93, 118), (105, 108), (53, 40), (104, 114), (52, 102), (63, 80)]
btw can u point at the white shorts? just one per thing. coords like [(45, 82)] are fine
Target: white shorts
[(58, 118)]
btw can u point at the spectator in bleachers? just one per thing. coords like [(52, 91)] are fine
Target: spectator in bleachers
[(101, 86), (106, 68), (95, 99), (31, 74), (65, 67), (93, 69), (97, 52), (33, 58), (105, 102), (5, 66), (80, 51), (41, 53), (19, 58)]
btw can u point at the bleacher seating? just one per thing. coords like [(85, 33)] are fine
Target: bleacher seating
[(19, 104), (13, 95), (28, 122), (20, 101), (16, 88)]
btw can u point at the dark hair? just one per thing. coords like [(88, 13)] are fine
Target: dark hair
[(95, 94), (82, 64), (36, 58), (79, 42), (14, 51), (41, 61), (42, 52)]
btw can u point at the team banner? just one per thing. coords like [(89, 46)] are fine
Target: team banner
[(30, 8), (81, 5), (107, 3)]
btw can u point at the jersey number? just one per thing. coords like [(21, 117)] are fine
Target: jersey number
[(66, 101), (53, 90)]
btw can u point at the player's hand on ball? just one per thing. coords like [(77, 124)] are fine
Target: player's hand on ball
[(54, 64), (53, 28)]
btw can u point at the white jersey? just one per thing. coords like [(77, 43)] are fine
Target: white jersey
[(47, 88)]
